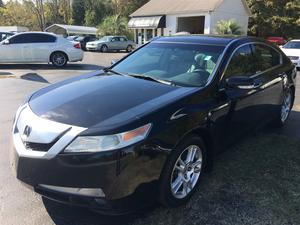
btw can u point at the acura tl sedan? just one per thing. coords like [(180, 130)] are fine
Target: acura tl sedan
[(39, 47), (148, 127), (109, 43)]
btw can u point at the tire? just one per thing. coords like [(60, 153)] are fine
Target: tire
[(129, 48), (59, 59), (104, 48), (285, 109), (171, 174)]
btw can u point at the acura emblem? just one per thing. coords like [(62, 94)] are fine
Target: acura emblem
[(26, 132)]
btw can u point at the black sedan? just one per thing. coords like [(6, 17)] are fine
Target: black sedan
[(147, 128)]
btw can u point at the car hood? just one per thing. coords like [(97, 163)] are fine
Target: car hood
[(103, 100), (291, 51)]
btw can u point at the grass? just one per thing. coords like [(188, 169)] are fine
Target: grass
[(255, 182)]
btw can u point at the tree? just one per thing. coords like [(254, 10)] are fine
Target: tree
[(78, 12), (275, 18), (228, 27), (1, 4), (114, 25), (96, 11)]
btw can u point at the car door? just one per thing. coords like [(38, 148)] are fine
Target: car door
[(123, 43), (41, 47), (13, 49), (269, 66), (114, 43), (245, 105)]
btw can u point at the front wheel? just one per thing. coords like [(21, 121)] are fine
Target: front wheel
[(181, 175), (104, 48), (59, 59)]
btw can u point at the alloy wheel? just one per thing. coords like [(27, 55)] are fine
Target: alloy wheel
[(186, 171), (59, 59), (286, 106), (104, 48)]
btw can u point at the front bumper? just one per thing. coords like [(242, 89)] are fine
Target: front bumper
[(92, 48), (116, 177), (122, 178)]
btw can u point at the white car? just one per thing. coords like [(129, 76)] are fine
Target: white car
[(292, 50), (33, 47)]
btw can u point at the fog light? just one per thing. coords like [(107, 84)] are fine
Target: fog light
[(88, 192)]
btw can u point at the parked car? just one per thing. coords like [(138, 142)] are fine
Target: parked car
[(277, 40), (292, 50), (33, 47), (148, 127), (72, 38), (108, 43), (5, 35), (84, 40)]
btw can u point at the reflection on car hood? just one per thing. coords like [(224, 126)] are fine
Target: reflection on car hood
[(103, 100)]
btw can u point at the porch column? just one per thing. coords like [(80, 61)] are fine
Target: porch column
[(207, 24), (145, 36), (134, 35)]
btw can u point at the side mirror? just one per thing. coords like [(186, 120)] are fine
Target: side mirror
[(114, 61), (241, 82)]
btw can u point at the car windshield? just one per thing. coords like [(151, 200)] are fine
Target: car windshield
[(105, 39), (190, 65), (293, 44)]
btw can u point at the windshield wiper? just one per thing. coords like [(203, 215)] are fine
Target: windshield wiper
[(140, 76), (107, 69)]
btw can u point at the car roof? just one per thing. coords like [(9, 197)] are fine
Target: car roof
[(37, 32), (295, 40), (204, 39)]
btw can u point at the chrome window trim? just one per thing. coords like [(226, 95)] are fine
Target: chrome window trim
[(67, 137), (252, 43)]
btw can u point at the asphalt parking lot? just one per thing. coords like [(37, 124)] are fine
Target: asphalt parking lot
[(19, 205)]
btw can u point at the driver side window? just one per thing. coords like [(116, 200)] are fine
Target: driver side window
[(242, 63)]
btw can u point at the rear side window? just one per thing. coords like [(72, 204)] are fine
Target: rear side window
[(43, 38), (265, 57), (241, 63)]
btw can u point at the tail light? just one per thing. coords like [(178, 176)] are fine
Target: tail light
[(77, 45)]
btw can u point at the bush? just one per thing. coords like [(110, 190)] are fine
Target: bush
[(228, 27)]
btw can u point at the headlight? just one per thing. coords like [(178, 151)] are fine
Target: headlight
[(109, 142)]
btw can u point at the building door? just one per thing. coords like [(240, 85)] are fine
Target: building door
[(193, 25)]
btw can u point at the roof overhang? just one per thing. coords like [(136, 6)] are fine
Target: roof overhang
[(148, 22), (71, 29)]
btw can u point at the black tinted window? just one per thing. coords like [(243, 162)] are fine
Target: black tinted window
[(20, 39), (241, 64), (32, 38), (265, 57), (123, 39)]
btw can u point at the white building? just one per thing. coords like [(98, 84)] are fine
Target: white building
[(167, 17)]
